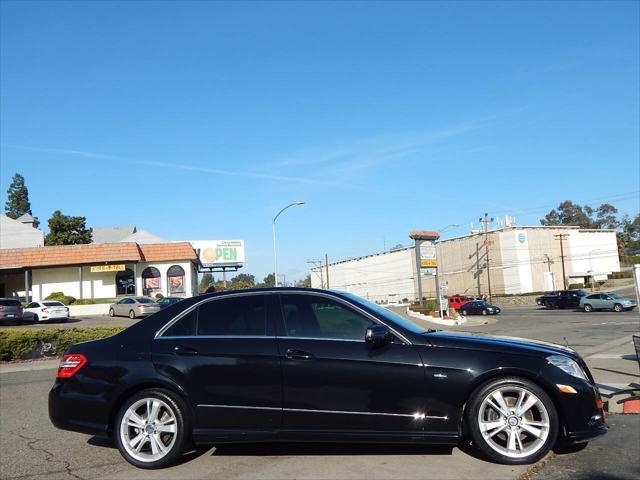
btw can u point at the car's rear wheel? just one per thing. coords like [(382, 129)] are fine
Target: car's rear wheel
[(617, 308), (36, 319), (464, 313), (512, 421), (112, 312), (151, 428), (587, 308), (132, 314)]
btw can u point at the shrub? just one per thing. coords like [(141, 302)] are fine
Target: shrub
[(575, 286), (159, 295), (61, 297), (625, 274), (35, 343), (84, 301)]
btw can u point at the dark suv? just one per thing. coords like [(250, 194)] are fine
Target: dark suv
[(562, 299), (10, 310)]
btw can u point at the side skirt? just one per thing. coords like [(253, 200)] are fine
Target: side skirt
[(206, 436)]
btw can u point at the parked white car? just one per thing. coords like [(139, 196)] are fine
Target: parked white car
[(46, 310)]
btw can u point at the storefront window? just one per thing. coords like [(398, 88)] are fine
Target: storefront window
[(175, 280), (151, 281), (125, 283)]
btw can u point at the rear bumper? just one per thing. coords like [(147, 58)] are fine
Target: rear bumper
[(70, 412)]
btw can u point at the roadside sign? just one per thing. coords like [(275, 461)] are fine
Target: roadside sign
[(107, 268), (220, 253)]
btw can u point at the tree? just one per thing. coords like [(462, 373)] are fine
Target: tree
[(629, 237), (268, 281), (18, 199), (305, 282), (241, 281), (569, 213), (67, 230), (207, 279)]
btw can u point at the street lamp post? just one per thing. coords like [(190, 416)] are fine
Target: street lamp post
[(275, 251)]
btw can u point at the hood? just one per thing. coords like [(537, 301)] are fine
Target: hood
[(479, 341)]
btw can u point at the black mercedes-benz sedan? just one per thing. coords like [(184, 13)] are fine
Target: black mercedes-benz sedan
[(319, 366), (479, 307)]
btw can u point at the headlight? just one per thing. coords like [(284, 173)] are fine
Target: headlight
[(567, 365)]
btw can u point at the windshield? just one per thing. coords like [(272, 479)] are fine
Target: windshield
[(384, 313), (615, 295)]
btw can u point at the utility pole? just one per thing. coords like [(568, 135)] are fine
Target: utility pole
[(326, 263), (562, 237), (318, 270), (548, 261), (485, 222)]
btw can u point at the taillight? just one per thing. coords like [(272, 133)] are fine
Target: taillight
[(70, 364), (44, 309)]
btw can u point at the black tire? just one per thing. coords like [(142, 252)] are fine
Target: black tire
[(35, 319), (484, 312), (472, 414), (464, 313), (587, 308), (618, 308), (112, 312), (548, 305), (132, 314), (182, 421)]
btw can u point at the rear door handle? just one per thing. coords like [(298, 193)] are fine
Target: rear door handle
[(298, 355), (184, 351)]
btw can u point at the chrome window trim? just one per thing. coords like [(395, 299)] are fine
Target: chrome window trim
[(168, 325), (252, 337), (417, 416), (197, 304)]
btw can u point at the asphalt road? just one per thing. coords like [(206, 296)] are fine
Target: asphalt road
[(31, 448)]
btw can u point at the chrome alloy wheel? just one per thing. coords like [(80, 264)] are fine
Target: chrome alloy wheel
[(513, 421), (148, 429)]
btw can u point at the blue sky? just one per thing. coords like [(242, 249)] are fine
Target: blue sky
[(198, 120)]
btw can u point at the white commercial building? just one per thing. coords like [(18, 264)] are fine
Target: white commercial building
[(521, 260)]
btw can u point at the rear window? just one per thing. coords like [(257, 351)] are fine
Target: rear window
[(53, 304), (144, 300), (7, 302)]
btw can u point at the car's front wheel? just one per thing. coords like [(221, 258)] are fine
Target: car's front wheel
[(464, 313), (112, 312), (512, 421), (587, 308), (617, 308), (151, 428)]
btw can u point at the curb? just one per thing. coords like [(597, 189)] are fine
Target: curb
[(29, 366)]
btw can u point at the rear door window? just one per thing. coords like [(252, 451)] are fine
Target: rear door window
[(245, 315), (184, 327)]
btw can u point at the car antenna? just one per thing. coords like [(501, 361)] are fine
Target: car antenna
[(566, 342)]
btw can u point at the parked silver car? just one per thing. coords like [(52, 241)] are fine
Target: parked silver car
[(10, 311), (134, 307), (607, 301)]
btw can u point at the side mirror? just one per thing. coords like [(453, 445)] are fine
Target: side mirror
[(378, 335)]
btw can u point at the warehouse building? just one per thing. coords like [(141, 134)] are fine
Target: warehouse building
[(521, 260)]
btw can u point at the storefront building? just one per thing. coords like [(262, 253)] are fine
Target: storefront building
[(95, 271)]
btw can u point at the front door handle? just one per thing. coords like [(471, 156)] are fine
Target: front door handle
[(298, 355), (184, 350)]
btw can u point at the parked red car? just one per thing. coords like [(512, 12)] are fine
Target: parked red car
[(456, 301)]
